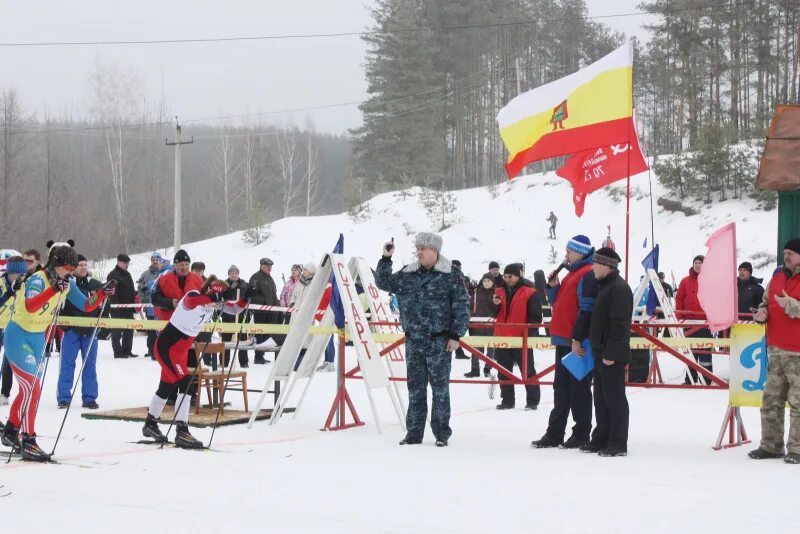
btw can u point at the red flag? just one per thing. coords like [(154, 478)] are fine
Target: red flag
[(596, 168), (717, 289)]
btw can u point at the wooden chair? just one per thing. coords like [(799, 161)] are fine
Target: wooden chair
[(215, 380)]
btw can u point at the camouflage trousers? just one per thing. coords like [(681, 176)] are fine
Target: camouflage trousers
[(783, 385), (427, 361)]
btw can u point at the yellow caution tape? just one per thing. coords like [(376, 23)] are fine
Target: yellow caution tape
[(539, 343)]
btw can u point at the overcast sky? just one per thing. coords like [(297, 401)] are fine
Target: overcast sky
[(206, 79)]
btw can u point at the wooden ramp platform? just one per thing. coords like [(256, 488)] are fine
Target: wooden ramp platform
[(202, 420)]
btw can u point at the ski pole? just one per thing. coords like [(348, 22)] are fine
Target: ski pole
[(80, 373), (225, 386), (27, 406), (191, 381)]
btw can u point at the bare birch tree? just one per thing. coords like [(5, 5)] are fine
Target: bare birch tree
[(113, 106), (313, 186), (12, 116), (289, 167), (227, 169)]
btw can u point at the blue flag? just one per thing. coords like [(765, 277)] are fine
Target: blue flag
[(651, 262), (336, 298)]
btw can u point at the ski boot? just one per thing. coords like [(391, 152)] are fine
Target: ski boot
[(30, 450), (151, 430), (9, 436), (184, 439)]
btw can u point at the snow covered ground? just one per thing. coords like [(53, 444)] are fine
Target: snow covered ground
[(292, 477)]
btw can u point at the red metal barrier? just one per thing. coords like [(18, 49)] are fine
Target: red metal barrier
[(343, 404)]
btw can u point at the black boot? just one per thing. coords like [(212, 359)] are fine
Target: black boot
[(410, 440), (574, 442), (546, 442), (184, 439), (30, 450), (761, 454), (151, 430), (472, 374), (9, 436), (591, 447)]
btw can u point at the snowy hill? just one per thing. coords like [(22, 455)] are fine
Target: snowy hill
[(505, 223)]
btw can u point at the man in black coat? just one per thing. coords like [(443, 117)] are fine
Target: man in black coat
[(610, 334), (265, 292), (750, 290), (122, 339)]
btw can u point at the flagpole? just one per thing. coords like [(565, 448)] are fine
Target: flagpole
[(628, 185)]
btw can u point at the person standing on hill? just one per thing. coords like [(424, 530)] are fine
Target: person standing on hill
[(553, 220)]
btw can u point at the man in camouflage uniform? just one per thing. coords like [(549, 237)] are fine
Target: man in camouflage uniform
[(780, 309), (434, 313)]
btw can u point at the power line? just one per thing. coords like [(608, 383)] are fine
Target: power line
[(358, 33)]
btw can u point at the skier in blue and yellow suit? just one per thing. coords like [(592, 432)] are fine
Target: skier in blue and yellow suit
[(33, 313), (434, 313)]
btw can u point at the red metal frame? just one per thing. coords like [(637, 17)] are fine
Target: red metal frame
[(342, 403), (737, 435)]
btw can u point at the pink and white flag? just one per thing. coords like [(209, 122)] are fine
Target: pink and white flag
[(717, 288)]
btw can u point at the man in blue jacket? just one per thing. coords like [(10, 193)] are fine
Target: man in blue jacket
[(434, 313), (79, 339)]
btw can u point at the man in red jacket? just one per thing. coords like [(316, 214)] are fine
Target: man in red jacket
[(687, 306), (780, 309), (516, 303), (573, 301), (173, 285)]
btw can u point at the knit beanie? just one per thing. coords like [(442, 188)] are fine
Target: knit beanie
[(747, 265), (428, 240), (233, 269), (16, 265), (64, 255), (494, 265), (580, 244), (513, 268), (607, 256), (181, 256), (793, 245)]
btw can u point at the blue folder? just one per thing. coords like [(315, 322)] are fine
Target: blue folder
[(580, 366)]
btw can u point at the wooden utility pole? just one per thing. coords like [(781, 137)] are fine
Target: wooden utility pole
[(176, 238)]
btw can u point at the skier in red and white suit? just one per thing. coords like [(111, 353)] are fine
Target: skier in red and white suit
[(192, 312)]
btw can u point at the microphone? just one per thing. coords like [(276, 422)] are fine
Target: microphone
[(558, 270)]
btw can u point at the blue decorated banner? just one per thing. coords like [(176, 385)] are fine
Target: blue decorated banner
[(748, 364)]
